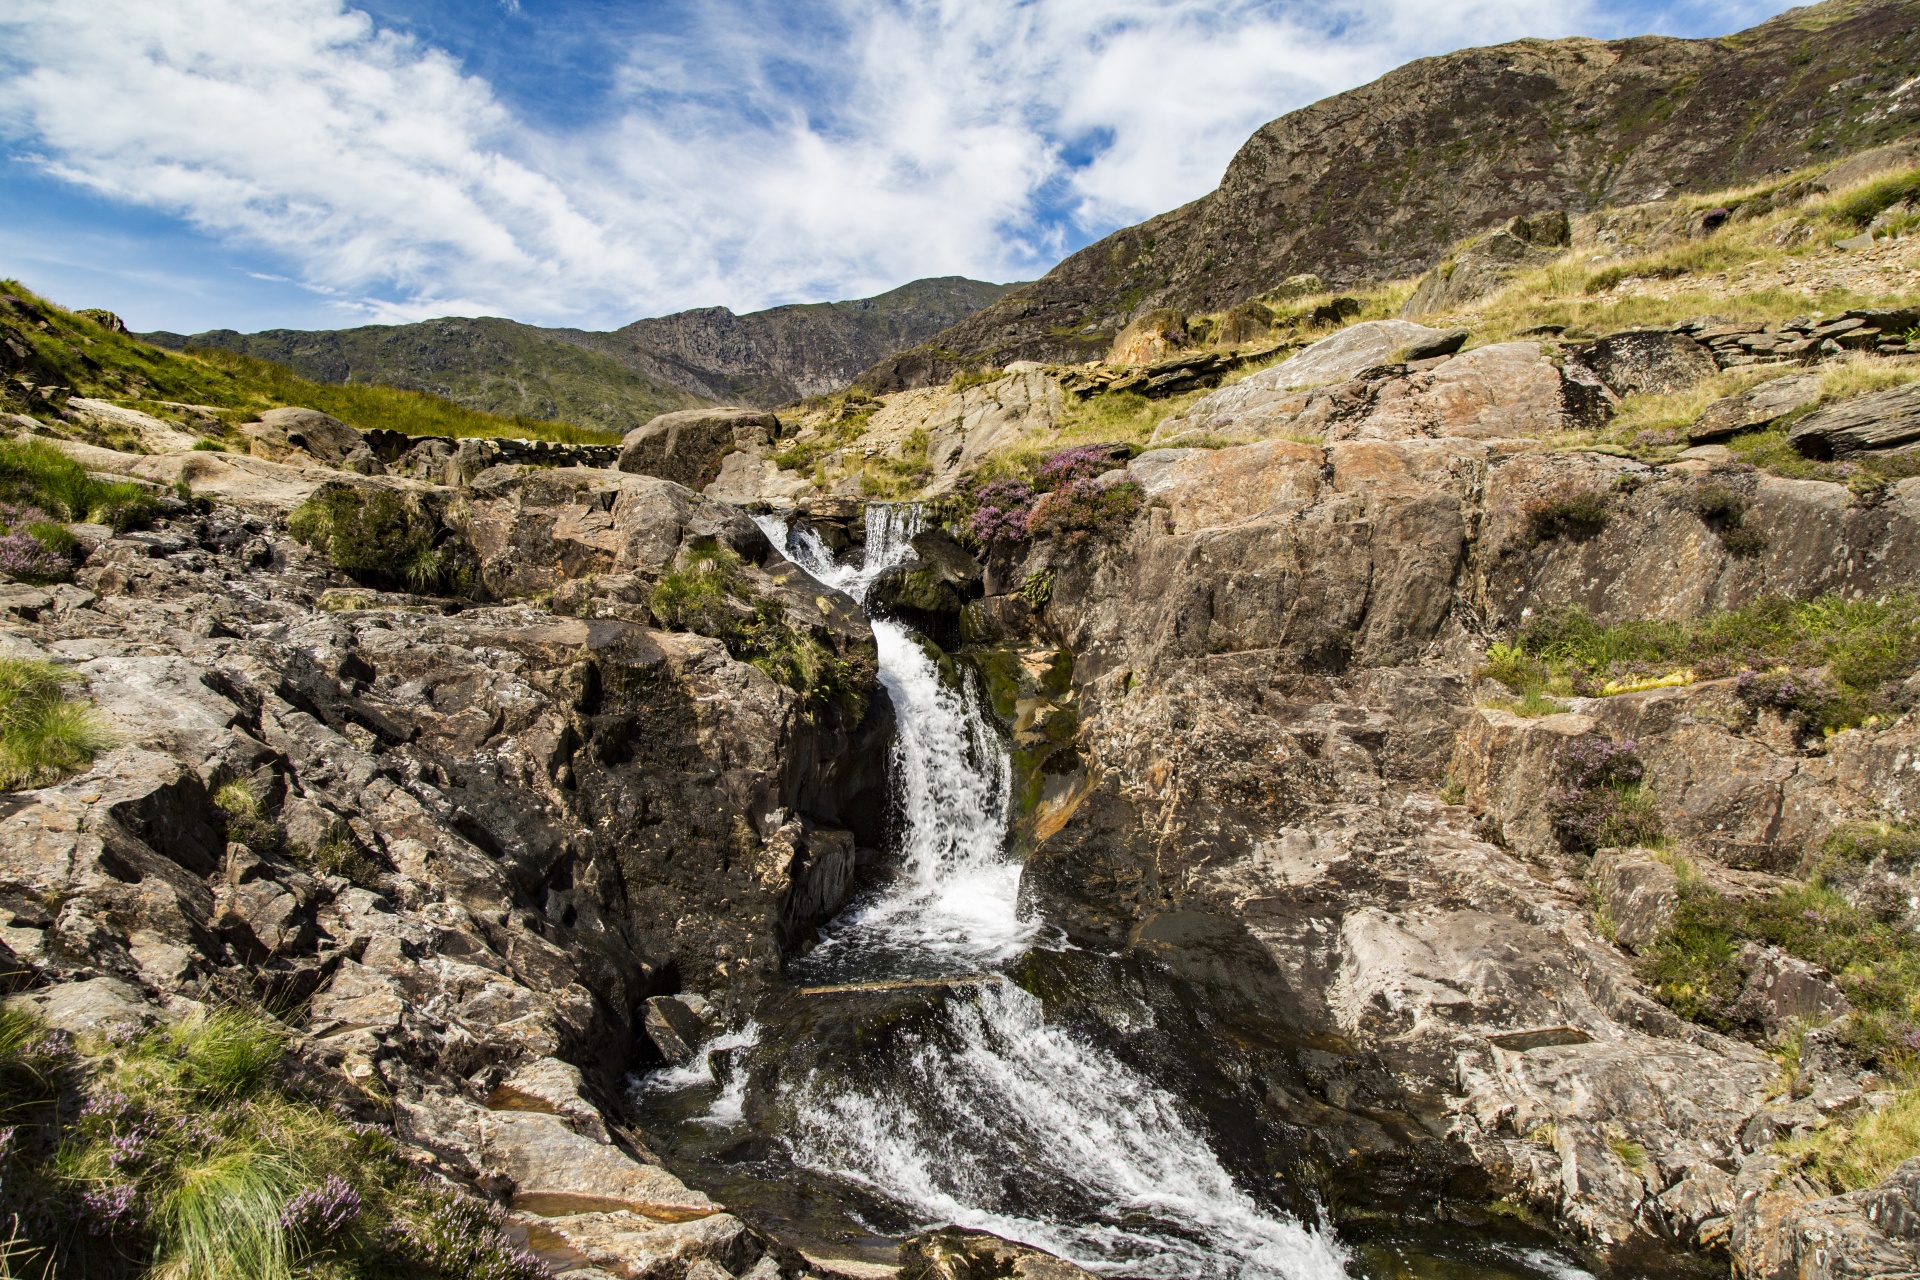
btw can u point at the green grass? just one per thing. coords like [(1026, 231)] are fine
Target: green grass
[(77, 352), (44, 733), (180, 1151), (36, 473), (1865, 647), (1695, 968), (1857, 206)]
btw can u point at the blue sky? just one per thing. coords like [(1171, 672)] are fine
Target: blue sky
[(253, 164)]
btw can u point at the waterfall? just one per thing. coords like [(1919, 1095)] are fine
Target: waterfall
[(1003, 1121)]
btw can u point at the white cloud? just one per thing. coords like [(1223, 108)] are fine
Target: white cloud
[(756, 154)]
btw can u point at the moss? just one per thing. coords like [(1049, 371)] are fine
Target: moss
[(706, 592)]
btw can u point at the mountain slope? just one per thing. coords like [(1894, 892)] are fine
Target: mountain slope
[(1377, 183), (618, 380)]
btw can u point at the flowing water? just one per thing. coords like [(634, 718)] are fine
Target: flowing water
[(970, 1107)]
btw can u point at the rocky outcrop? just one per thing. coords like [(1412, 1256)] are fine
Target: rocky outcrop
[(1411, 163), (1486, 263), (687, 447), (1273, 672), (1506, 390), (479, 837)]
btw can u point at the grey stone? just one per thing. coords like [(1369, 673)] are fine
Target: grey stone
[(1756, 408), (675, 1029)]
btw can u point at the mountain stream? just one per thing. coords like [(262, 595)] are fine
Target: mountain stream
[(906, 1080)]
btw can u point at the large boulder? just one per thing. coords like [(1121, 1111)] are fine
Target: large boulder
[(534, 528), (1755, 408), (1335, 358), (1861, 425), (279, 431), (1647, 362), (687, 447)]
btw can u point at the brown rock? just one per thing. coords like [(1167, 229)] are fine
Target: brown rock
[(956, 1253), (687, 447)]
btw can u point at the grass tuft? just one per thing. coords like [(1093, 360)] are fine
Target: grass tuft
[(44, 733)]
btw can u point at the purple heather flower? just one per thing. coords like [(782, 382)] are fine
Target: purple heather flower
[(1081, 463), (112, 1209), (324, 1209)]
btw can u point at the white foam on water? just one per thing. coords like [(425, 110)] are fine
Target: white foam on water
[(1002, 1096), (728, 1103), (1013, 1092)]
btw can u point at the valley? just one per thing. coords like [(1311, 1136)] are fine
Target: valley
[(1391, 754)]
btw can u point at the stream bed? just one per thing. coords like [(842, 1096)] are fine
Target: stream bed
[(908, 1076)]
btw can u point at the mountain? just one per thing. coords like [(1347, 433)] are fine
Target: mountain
[(1379, 182), (618, 380)]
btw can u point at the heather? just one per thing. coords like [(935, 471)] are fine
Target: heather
[(1599, 802), (184, 1151)]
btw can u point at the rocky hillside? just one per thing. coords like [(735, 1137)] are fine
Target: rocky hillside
[(616, 381), (1377, 183)]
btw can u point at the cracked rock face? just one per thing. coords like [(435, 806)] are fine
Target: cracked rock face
[(1273, 674), (489, 834)]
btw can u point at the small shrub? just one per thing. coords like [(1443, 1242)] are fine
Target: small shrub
[(1085, 508), (377, 537), (34, 547), (43, 732), (1000, 515), (1807, 701), (1566, 512), (1037, 589), (1599, 802), (1724, 511)]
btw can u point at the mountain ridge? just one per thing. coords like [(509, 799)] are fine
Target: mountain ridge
[(1381, 181), (618, 379)]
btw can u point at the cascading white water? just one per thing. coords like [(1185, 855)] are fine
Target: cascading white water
[(1004, 1112)]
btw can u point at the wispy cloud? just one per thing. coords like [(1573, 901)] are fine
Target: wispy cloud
[(749, 152)]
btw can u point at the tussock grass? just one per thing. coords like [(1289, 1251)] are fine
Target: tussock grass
[(34, 472), (1860, 1153), (182, 1150), (44, 733)]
